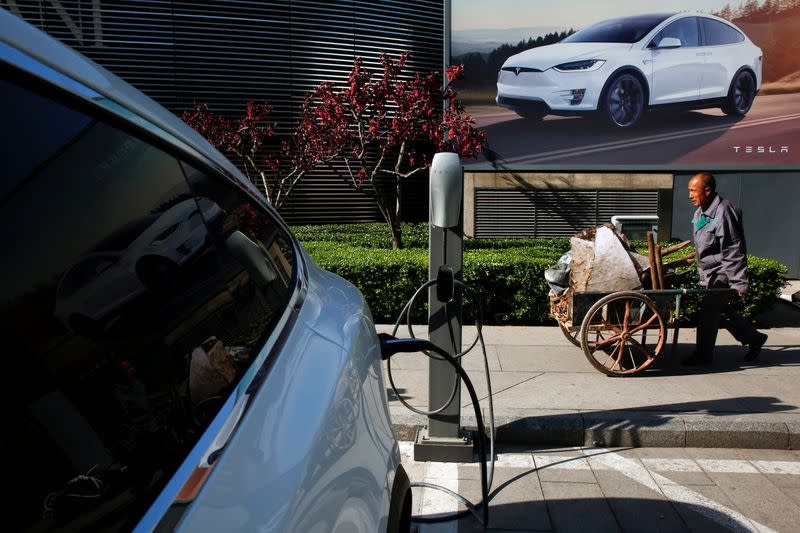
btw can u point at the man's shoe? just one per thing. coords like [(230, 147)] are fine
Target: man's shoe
[(697, 360), (754, 348)]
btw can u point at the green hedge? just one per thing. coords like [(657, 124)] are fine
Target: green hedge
[(507, 274), (376, 235), (509, 283)]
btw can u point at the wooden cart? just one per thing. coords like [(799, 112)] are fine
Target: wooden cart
[(623, 333)]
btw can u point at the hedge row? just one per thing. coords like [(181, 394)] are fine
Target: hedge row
[(376, 235), (507, 277), (509, 283)]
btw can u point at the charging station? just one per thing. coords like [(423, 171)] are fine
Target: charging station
[(443, 439)]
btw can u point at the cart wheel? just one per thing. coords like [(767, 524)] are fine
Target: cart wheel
[(614, 333), (572, 336)]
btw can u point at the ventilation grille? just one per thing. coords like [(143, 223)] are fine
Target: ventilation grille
[(548, 213), (228, 52)]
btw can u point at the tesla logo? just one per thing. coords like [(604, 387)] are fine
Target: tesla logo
[(761, 149), (517, 70)]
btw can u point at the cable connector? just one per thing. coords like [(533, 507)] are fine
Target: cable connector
[(445, 284), (391, 345)]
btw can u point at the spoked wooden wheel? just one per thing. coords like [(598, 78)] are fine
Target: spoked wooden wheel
[(572, 336), (622, 333)]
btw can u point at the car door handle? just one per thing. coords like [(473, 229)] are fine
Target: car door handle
[(704, 53)]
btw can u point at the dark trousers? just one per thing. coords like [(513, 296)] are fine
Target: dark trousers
[(716, 311)]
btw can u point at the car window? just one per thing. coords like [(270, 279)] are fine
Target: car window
[(718, 33), (620, 30), (684, 29), (116, 362)]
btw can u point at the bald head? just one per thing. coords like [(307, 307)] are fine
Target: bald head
[(706, 179), (702, 188)]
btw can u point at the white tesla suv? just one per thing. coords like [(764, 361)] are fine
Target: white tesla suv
[(622, 67)]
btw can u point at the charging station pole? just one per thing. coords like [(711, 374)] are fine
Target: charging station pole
[(443, 440)]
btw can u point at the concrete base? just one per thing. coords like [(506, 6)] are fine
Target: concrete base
[(442, 449)]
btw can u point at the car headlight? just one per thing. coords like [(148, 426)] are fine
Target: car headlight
[(587, 65)]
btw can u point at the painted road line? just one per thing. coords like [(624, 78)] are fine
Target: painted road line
[(561, 462), (777, 467), (671, 465), (726, 517), (727, 466), (437, 503), (605, 460), (514, 460)]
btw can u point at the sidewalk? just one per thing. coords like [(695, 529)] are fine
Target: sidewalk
[(547, 393), (566, 490)]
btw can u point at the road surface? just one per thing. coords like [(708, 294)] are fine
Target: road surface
[(768, 135)]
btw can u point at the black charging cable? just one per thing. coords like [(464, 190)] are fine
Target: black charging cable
[(391, 346), (447, 288)]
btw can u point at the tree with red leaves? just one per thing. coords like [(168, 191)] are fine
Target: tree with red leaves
[(386, 129), (251, 141)]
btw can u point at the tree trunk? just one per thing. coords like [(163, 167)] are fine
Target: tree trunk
[(397, 237), (397, 241)]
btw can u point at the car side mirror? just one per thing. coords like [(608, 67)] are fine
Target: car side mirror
[(669, 42)]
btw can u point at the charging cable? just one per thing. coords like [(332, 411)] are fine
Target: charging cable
[(390, 345)]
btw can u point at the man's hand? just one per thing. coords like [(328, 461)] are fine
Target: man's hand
[(742, 292)]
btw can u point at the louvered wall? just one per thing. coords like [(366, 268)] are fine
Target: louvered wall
[(228, 52), (554, 213)]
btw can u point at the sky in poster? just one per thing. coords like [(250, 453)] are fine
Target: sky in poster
[(497, 14)]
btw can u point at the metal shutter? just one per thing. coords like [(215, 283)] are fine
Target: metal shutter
[(554, 213), (228, 52)]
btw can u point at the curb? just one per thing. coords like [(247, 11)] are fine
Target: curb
[(624, 429)]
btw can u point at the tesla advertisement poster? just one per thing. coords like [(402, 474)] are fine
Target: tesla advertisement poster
[(647, 85)]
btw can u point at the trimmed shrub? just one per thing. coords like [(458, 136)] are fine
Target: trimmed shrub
[(506, 274), (509, 283), (369, 235), (376, 235)]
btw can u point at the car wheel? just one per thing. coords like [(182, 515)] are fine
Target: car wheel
[(157, 273), (740, 95), (532, 116), (624, 101)]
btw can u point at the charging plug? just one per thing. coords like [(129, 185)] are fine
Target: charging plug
[(391, 345), (445, 284)]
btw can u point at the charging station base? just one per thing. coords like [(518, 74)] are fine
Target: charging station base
[(442, 449)]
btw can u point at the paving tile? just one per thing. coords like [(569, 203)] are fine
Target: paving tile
[(742, 454), (517, 502), (704, 518), (759, 499), (793, 493), (637, 508), (677, 469), (566, 358), (574, 505), (563, 466)]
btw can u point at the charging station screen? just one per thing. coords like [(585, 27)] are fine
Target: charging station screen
[(647, 85)]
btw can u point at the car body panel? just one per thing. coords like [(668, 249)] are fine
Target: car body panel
[(694, 75), (675, 74), (304, 442), (311, 432)]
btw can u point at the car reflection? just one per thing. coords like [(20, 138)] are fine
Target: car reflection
[(143, 255)]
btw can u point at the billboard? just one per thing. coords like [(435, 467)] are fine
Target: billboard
[(657, 85)]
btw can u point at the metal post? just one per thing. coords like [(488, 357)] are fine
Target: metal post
[(444, 439)]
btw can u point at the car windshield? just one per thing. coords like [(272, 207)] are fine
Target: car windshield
[(621, 30)]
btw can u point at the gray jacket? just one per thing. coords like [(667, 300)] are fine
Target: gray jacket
[(718, 235)]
